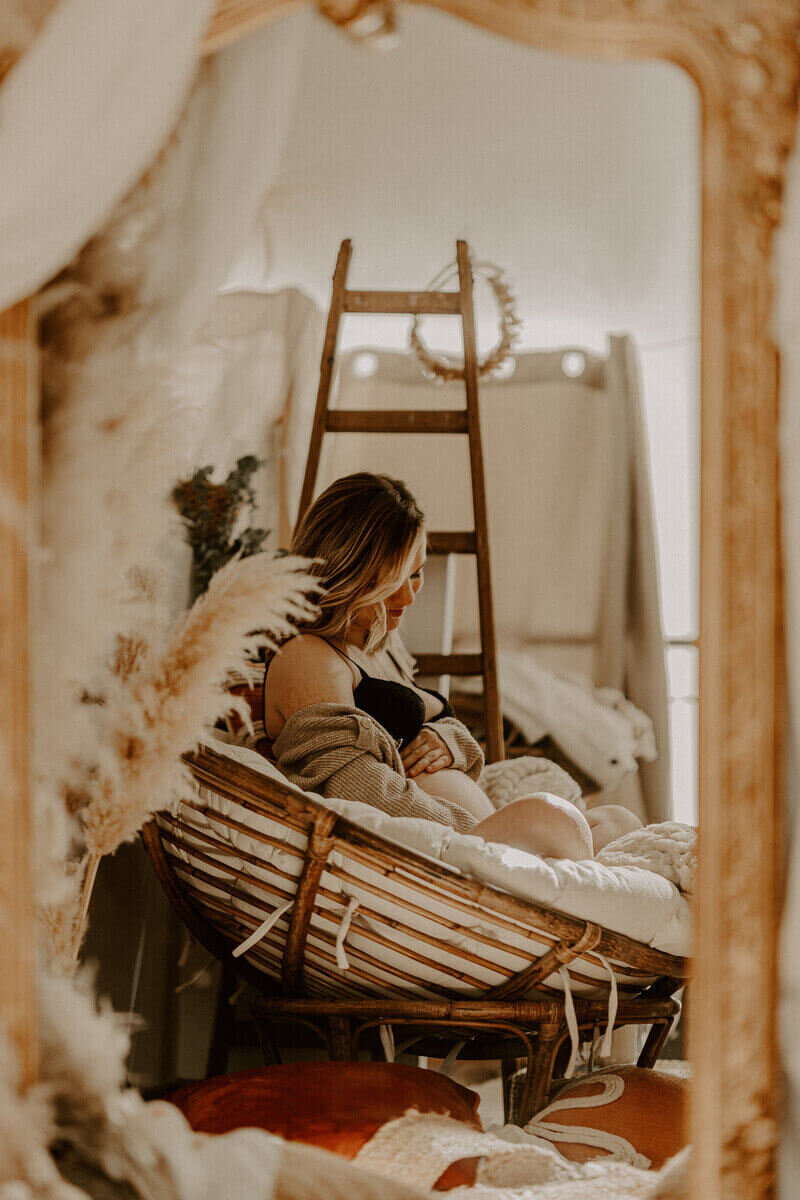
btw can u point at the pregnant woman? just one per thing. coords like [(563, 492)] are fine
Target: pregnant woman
[(342, 709)]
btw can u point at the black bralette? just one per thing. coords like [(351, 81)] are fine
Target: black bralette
[(398, 708)]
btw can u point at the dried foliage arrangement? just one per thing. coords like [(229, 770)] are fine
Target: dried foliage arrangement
[(210, 513), (175, 688)]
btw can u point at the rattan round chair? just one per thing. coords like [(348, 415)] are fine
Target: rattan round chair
[(430, 952)]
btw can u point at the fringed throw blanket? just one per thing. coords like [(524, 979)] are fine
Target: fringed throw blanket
[(668, 849)]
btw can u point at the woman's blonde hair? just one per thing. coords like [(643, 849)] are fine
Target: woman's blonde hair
[(364, 529)]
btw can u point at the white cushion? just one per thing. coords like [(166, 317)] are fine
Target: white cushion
[(628, 900)]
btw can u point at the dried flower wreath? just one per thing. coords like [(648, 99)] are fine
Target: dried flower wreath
[(445, 370), (371, 23)]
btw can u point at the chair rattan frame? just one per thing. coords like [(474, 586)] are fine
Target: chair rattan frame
[(521, 1025)]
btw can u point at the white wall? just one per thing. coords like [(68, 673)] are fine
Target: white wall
[(577, 176), (580, 178)]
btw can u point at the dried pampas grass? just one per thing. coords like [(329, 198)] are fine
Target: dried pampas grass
[(161, 709), (84, 1044), (118, 696), (163, 693), (26, 1130)]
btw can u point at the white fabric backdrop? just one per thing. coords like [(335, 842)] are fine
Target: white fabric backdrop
[(82, 113), (573, 451)]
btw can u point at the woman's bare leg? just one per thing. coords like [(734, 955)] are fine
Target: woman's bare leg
[(541, 824), (609, 822)]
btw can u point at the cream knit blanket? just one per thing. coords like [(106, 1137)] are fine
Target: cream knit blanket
[(668, 849), (516, 1165)]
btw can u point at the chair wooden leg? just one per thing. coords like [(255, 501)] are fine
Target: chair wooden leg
[(266, 1040), (217, 1061), (539, 1079), (655, 1043), (341, 1036)]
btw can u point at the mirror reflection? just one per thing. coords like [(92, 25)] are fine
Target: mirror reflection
[(580, 180), (576, 184)]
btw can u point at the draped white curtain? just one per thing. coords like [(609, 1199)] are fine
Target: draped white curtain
[(86, 109), (103, 93), (83, 112), (251, 379)]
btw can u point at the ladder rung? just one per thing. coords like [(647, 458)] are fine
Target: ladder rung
[(346, 420), (465, 542), (402, 302), (449, 664)]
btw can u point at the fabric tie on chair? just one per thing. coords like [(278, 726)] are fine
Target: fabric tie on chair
[(262, 929), (613, 1000), (341, 936), (572, 1022), (386, 1033)]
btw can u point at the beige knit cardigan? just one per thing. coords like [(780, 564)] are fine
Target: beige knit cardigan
[(339, 750)]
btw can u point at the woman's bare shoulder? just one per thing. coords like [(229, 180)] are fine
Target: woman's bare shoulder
[(307, 670), (307, 648)]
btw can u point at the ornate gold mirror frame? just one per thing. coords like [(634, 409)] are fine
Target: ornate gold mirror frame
[(743, 57)]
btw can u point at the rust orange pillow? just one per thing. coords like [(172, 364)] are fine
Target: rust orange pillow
[(254, 697), (650, 1114), (335, 1105)]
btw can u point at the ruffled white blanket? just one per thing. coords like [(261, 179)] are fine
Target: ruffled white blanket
[(515, 777), (598, 729)]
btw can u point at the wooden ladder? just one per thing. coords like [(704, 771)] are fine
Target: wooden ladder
[(462, 420)]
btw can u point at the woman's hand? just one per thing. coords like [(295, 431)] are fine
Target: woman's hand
[(426, 753)]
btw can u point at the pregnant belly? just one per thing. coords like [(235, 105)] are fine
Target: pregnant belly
[(457, 788)]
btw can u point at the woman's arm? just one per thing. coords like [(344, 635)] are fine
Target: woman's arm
[(376, 783), (337, 750), (466, 753), (443, 742)]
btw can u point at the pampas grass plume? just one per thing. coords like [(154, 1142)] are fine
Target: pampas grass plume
[(161, 710)]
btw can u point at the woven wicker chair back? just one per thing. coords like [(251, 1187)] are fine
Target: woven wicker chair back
[(343, 913)]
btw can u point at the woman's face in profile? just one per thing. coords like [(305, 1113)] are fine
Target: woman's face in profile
[(400, 599)]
